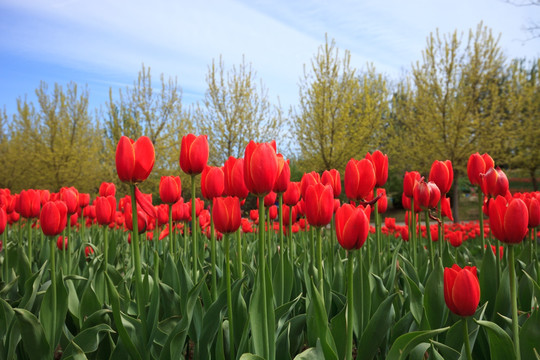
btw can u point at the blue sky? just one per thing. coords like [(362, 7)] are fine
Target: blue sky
[(104, 43)]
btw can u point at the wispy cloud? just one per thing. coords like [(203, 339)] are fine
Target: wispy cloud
[(109, 40)]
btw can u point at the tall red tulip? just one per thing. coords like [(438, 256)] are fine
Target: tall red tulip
[(284, 175), (194, 154), (461, 290), (333, 178), (409, 181), (380, 163), (107, 188), (509, 221), (360, 179), (352, 226), (134, 159), (534, 212), (28, 204), (382, 203), (308, 179), (260, 167), (495, 182), (170, 189), (426, 195), (105, 209), (319, 203), (70, 196), (212, 182), (233, 170), (226, 214), (442, 174), (53, 217), (477, 166), (3, 220), (292, 195)]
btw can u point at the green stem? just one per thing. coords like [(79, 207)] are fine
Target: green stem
[(30, 252), (441, 230), (378, 234), (194, 231), (213, 254), (171, 234), (6, 258), (430, 242), (266, 343), (413, 235), (319, 260), (53, 283), (481, 217), (360, 272), (289, 234), (229, 296), (513, 297), (239, 253), (350, 302), (271, 245), (281, 247), (137, 261), (466, 338), (105, 258), (71, 243)]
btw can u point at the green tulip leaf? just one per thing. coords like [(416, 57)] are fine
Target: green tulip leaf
[(500, 344), (407, 342)]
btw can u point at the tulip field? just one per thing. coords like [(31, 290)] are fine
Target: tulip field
[(304, 275)]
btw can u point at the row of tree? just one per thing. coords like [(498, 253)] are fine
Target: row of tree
[(463, 96)]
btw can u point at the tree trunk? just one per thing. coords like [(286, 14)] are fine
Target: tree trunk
[(533, 179), (455, 197)]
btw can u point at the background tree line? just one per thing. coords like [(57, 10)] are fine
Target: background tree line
[(462, 96)]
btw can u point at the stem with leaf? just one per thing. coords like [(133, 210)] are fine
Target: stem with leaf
[(229, 295), (263, 277), (466, 338), (350, 302), (194, 230), (513, 297)]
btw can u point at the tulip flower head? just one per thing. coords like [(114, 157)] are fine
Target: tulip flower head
[(212, 182), (134, 159), (319, 201), (508, 220), (194, 154), (352, 226), (260, 167), (233, 171), (380, 163), (292, 195), (442, 174), (283, 175), (332, 178), (360, 179), (53, 218), (495, 182), (461, 290), (170, 189)]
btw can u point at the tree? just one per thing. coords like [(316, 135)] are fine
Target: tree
[(235, 110), (339, 114), (142, 110), (524, 116), (454, 106), (53, 144)]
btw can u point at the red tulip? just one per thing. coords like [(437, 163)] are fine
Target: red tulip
[(142, 218), (360, 179), (269, 199), (28, 204), (107, 189), (105, 209), (307, 180), (286, 210), (134, 160), (292, 195), (226, 214), (409, 181), (495, 182), (212, 182), (70, 196), (426, 195), (260, 167), (284, 175), (53, 218), (446, 210), (233, 171), (380, 163), (162, 212), (3, 220), (194, 153), (331, 177), (461, 290), (273, 212), (455, 238), (442, 174), (352, 226), (382, 203), (170, 189), (88, 251), (319, 204), (534, 212), (508, 221)]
